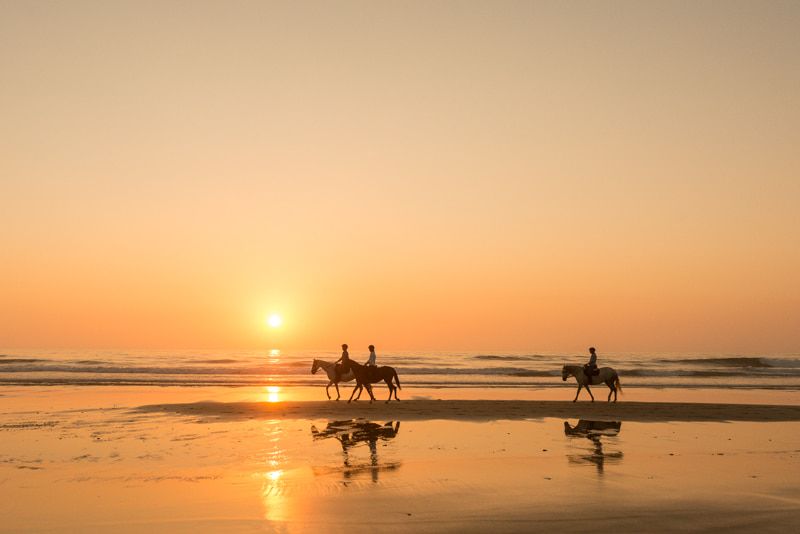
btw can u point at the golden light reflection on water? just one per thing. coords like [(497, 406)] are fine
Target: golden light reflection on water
[(274, 356), (274, 475), (273, 490), (273, 393), (273, 495)]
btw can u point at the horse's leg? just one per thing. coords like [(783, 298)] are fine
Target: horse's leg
[(358, 385), (578, 393), (391, 388), (371, 396), (589, 391), (326, 389), (338, 395)]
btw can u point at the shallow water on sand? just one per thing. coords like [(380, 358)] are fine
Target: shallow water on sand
[(97, 468)]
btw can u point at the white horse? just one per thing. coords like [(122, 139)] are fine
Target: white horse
[(330, 370), (605, 375)]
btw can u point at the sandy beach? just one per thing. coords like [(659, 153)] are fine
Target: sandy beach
[(170, 460), (485, 410)]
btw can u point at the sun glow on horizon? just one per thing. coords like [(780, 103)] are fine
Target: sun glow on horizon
[(274, 320), (605, 201)]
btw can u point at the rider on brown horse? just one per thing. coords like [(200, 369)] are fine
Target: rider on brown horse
[(345, 367)]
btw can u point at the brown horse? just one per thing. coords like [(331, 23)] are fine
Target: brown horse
[(366, 375)]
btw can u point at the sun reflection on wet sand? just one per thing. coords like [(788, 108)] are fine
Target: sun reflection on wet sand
[(273, 497), (273, 489)]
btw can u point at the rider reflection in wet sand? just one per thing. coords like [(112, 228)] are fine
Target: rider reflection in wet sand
[(352, 432), (594, 431)]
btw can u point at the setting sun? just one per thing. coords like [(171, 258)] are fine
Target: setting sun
[(274, 320)]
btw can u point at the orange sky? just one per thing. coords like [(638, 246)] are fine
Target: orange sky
[(465, 175)]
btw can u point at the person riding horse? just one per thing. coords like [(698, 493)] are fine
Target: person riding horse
[(344, 368), (372, 357), (371, 363), (590, 368)]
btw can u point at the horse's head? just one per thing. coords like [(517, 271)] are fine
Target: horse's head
[(315, 367), (564, 373)]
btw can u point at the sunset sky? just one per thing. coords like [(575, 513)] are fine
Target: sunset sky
[(417, 175)]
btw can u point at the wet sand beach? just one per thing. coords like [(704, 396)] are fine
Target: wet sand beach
[(485, 410), (166, 460)]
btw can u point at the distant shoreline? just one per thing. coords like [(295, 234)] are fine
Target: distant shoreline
[(482, 410)]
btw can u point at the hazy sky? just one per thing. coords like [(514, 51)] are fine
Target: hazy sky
[(441, 175)]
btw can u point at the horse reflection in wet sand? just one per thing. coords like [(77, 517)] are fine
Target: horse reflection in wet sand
[(351, 433), (594, 431)]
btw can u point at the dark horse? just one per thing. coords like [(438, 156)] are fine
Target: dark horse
[(366, 375)]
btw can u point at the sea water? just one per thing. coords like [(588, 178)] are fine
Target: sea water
[(420, 369)]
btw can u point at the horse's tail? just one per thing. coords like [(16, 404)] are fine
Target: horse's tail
[(617, 384), (396, 379)]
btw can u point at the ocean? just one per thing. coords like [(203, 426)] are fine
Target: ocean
[(416, 369)]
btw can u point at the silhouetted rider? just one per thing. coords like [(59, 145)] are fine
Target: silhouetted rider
[(591, 368), (344, 368)]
